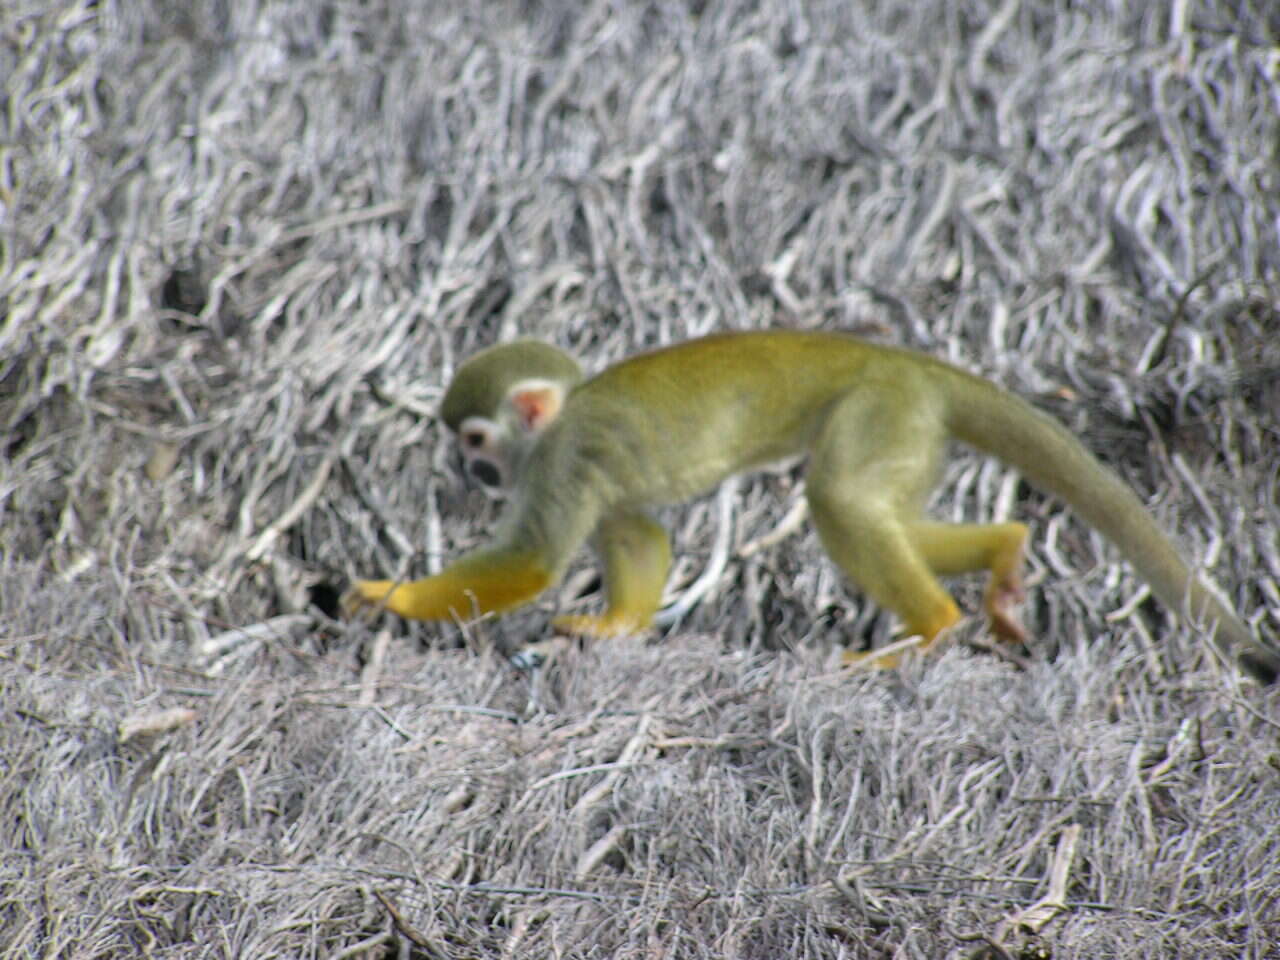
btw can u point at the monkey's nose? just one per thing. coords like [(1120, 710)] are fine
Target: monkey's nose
[(486, 473)]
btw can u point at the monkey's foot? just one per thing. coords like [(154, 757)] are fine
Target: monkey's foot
[(599, 627), (1002, 596), (888, 657)]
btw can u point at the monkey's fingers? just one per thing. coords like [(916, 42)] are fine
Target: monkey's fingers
[(889, 657), (365, 595), (870, 660), (1007, 628), (598, 627)]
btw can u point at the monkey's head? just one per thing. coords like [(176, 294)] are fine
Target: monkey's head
[(500, 400)]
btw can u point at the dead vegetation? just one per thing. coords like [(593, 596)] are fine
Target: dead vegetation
[(242, 246)]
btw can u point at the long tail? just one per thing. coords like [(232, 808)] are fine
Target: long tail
[(1044, 451)]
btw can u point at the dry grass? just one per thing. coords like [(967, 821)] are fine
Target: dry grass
[(242, 247)]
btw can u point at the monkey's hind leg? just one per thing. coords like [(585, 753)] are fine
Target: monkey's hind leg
[(636, 556), (872, 463)]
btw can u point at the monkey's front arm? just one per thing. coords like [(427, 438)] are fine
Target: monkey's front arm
[(635, 556), (486, 581)]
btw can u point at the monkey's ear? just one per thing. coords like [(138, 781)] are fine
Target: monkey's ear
[(536, 403)]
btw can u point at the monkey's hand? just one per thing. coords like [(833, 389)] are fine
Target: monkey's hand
[(610, 624), (366, 596), (487, 581)]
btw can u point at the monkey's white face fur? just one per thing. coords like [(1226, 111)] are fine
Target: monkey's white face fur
[(482, 453), (494, 449)]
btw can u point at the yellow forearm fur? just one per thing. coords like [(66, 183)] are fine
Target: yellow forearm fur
[(464, 589)]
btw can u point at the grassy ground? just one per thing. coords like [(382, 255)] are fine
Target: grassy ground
[(243, 246)]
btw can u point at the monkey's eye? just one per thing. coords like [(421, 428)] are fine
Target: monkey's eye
[(473, 439)]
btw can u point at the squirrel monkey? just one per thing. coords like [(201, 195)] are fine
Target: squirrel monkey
[(584, 458)]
